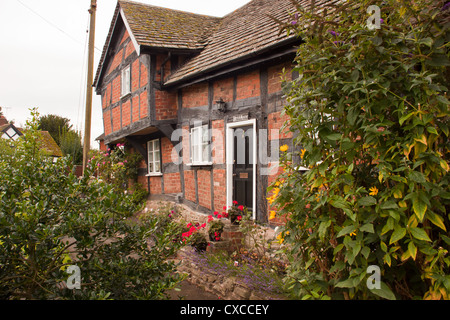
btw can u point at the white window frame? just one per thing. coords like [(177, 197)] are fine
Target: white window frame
[(154, 157), (12, 134), (200, 145), (126, 81)]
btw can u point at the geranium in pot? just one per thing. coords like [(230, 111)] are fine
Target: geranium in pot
[(215, 230), (236, 213)]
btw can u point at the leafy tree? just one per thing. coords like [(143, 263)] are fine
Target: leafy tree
[(55, 125), (71, 146), (50, 219), (371, 111)]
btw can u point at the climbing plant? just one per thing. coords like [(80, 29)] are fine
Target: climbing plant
[(370, 113)]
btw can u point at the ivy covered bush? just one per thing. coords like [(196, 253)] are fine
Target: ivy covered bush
[(370, 111), (50, 220)]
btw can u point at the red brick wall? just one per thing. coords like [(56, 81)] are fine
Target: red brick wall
[(155, 185), (116, 90), (189, 185), (166, 150), (204, 188), (275, 75), (126, 113), (248, 85), (143, 105), (172, 183), (130, 111), (275, 122), (135, 111), (186, 144), (220, 189), (224, 89), (195, 95), (116, 118), (218, 142), (165, 105)]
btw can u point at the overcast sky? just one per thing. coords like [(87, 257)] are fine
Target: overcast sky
[(43, 54)]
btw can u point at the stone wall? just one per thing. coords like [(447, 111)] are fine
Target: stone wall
[(225, 287)]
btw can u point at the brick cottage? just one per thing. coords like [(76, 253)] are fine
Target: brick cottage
[(200, 98)]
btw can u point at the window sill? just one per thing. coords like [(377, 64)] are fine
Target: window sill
[(154, 175), (125, 96), (200, 164)]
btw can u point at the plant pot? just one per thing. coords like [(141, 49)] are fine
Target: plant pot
[(215, 236), (235, 220)]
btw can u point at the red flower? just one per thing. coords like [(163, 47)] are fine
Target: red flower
[(210, 218), (216, 213), (224, 208), (203, 225), (219, 216), (241, 207), (239, 218), (224, 214), (189, 225), (235, 202)]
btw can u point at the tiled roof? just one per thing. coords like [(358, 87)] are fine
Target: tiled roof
[(243, 32), (49, 145), (167, 28), (159, 27), (240, 35)]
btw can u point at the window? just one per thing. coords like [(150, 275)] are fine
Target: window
[(12, 134), (154, 157), (126, 81), (200, 149)]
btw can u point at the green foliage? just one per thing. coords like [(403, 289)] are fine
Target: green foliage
[(215, 229), (65, 137), (50, 219), (55, 125), (370, 108), (119, 167), (70, 144), (255, 239)]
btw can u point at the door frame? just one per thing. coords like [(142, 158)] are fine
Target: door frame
[(229, 142)]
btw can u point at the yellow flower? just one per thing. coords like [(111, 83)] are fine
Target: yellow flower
[(280, 238), (271, 199), (353, 233), (272, 215), (302, 155), (284, 148), (373, 191)]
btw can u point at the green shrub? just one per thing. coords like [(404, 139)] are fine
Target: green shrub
[(50, 219)]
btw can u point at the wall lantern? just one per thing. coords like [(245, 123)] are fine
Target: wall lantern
[(221, 105)]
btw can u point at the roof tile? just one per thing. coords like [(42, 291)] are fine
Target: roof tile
[(167, 28)]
